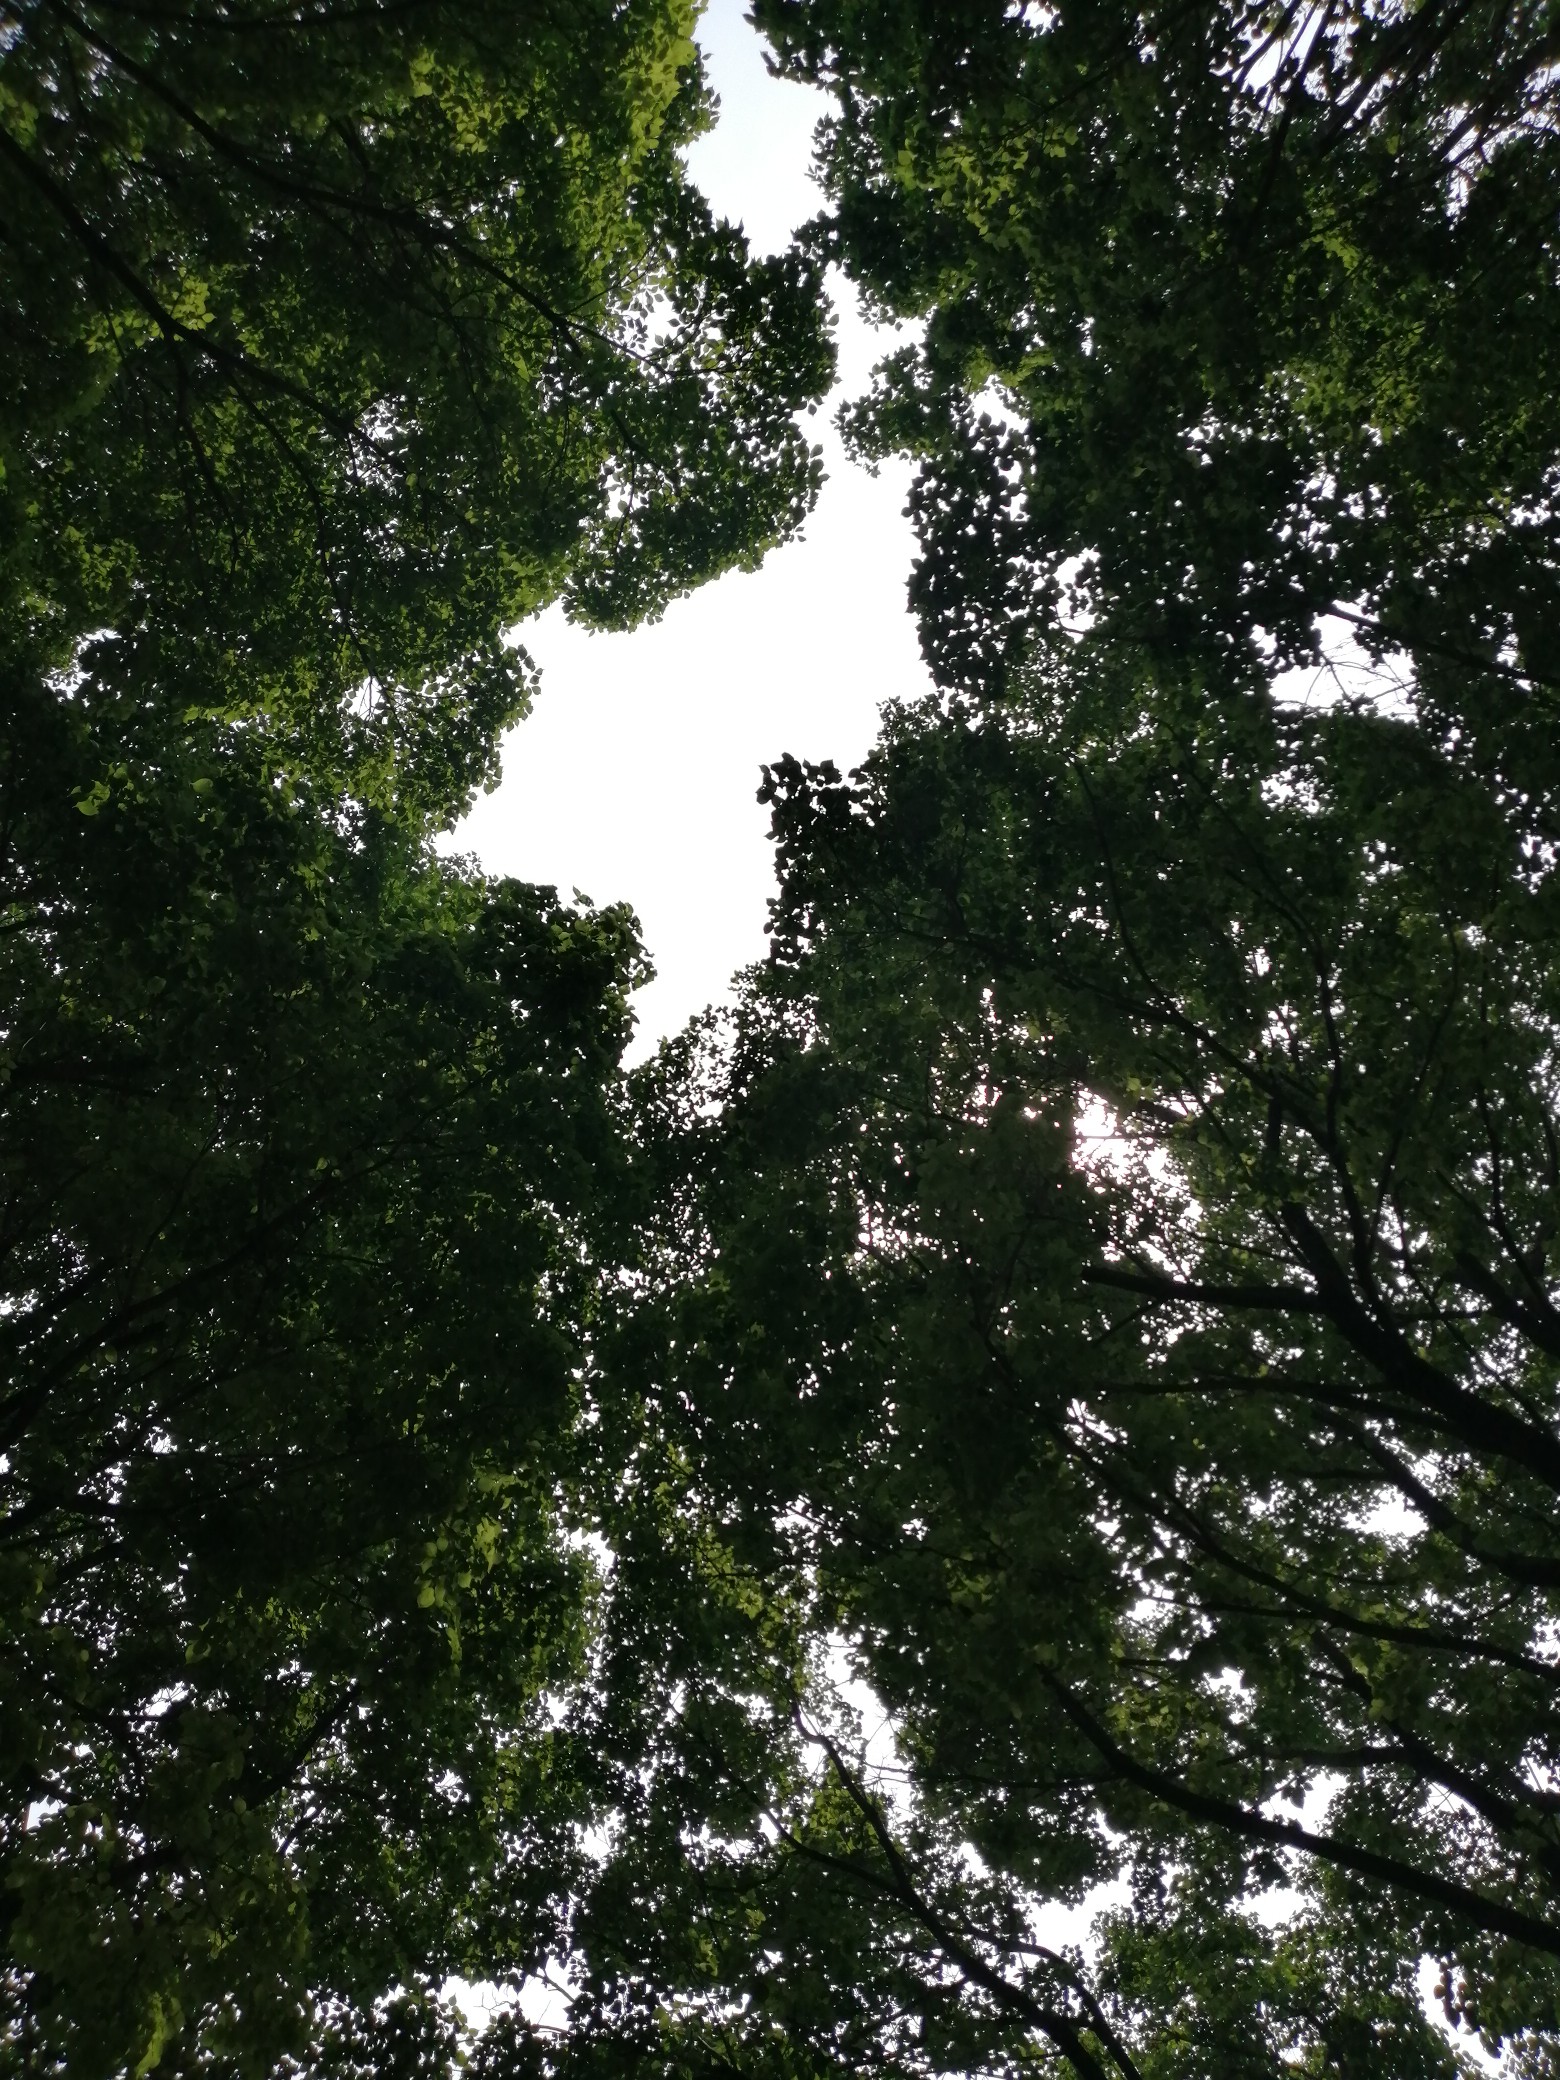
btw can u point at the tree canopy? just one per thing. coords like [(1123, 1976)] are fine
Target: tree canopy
[(339, 340), (1118, 1299), (1209, 300), (1089, 1306), (306, 1147), (344, 337), (1110, 1284)]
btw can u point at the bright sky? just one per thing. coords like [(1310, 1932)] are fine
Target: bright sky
[(634, 778)]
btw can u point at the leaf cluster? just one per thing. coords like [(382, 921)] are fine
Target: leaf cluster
[(343, 338), (1208, 300)]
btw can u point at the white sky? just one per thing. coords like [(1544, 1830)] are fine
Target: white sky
[(634, 778)]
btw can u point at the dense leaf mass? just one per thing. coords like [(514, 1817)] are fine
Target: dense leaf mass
[(340, 338), (1125, 1300), (337, 340), (303, 1152), (1105, 1275), (1233, 313)]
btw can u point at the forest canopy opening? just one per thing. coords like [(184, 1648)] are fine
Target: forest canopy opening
[(455, 1495)]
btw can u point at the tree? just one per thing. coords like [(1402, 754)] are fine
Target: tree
[(1105, 1278), (1115, 1292), (342, 338), (1211, 297), (307, 1158)]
